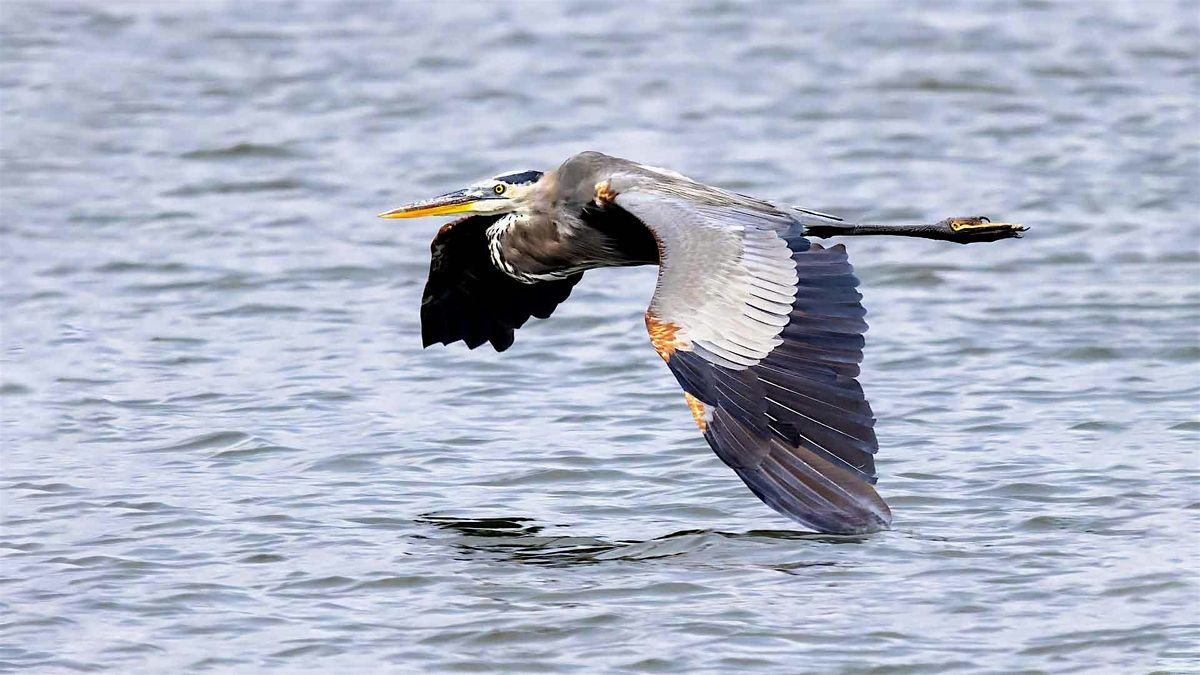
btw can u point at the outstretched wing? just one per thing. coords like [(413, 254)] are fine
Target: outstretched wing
[(467, 298), (764, 332)]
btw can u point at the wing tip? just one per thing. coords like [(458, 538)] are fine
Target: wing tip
[(853, 505), (797, 482)]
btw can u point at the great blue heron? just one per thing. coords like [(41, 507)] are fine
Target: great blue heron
[(762, 328)]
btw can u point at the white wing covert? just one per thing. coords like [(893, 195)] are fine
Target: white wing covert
[(726, 277)]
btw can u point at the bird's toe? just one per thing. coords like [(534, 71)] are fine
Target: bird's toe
[(981, 228)]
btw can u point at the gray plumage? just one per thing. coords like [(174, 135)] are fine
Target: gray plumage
[(762, 328)]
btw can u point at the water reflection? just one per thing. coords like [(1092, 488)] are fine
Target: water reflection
[(520, 540)]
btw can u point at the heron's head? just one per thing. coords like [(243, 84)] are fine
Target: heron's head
[(504, 193)]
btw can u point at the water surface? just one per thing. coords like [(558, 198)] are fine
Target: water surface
[(224, 449)]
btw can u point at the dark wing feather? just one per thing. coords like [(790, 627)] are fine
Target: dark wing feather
[(467, 298)]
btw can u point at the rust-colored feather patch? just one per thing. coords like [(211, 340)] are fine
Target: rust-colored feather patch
[(697, 408), (662, 335), (604, 193)]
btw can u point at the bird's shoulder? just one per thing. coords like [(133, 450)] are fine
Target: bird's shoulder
[(595, 176)]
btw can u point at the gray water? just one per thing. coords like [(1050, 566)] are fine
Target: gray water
[(224, 449)]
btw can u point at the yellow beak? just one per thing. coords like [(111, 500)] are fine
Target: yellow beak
[(454, 202)]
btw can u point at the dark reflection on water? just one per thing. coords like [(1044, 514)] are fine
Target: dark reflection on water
[(223, 448), (517, 540)]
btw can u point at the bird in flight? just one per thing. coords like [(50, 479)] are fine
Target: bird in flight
[(762, 327)]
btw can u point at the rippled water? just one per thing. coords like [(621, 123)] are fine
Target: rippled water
[(223, 447)]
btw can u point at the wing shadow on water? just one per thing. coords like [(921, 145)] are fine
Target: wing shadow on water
[(520, 540)]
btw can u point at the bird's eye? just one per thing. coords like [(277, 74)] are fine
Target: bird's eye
[(499, 189)]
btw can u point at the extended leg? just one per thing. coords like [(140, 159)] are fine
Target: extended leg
[(959, 230)]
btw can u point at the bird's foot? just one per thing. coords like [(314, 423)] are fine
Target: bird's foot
[(980, 228)]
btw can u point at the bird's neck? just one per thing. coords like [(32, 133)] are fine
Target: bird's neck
[(532, 247)]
